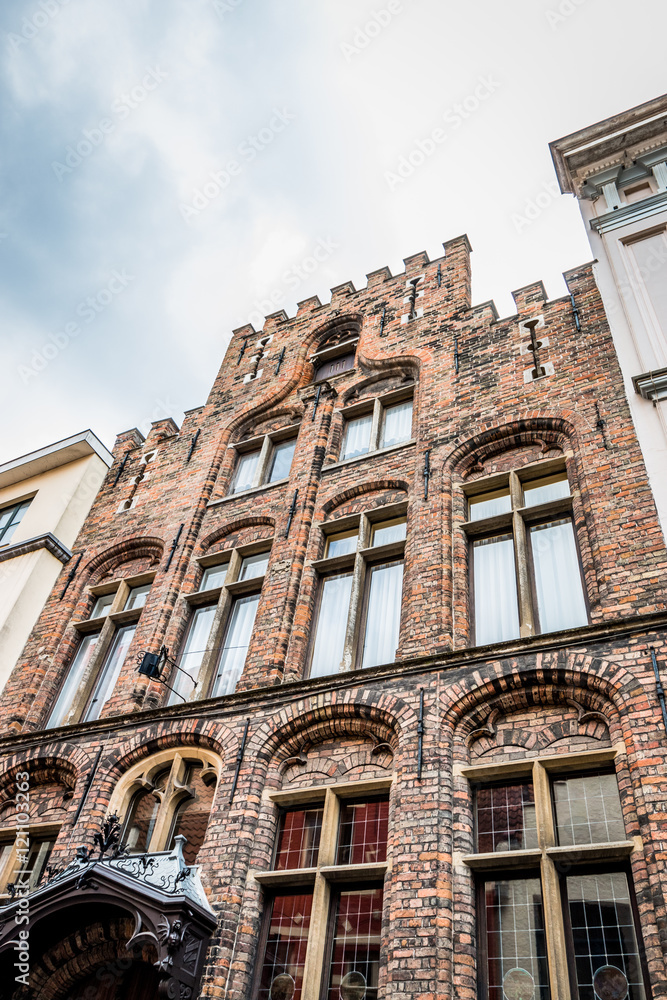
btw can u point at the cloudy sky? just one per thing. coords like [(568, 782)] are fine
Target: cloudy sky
[(167, 168)]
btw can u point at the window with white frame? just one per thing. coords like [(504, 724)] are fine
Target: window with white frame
[(358, 615), (264, 460), (375, 424)]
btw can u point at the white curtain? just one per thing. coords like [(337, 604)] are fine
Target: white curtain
[(496, 604), (397, 424), (75, 678), (235, 646), (283, 452), (254, 566), (245, 471), (110, 672), (560, 596), (384, 614), (357, 436), (191, 658), (331, 625)]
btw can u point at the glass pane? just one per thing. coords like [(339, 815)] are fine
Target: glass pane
[(110, 672), (506, 818), (389, 531), (331, 625), (137, 597), (397, 424), (140, 822), (75, 679), (355, 955), (588, 810), (102, 606), (384, 614), (560, 595), (245, 471), (191, 658), (489, 505), (649, 254), (341, 544), (235, 646), (38, 857), (214, 576), (253, 566), (281, 460), (192, 815), (363, 832), (516, 947), (542, 490), (299, 838), (357, 436), (606, 953), (496, 604), (10, 518), (285, 955)]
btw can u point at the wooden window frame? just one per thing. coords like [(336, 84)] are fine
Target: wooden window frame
[(264, 445), (36, 831), (377, 407)]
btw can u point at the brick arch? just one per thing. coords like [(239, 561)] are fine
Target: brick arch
[(360, 489), (60, 766), (385, 370), (243, 522), (382, 366), (212, 736), (129, 549), (495, 438), (248, 421), (321, 334)]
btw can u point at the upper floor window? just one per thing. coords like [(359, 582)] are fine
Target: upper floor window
[(375, 424), (525, 569), (264, 460), (336, 354), (10, 518), (359, 611)]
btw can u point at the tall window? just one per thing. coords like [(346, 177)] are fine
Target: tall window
[(264, 460), (106, 638), (567, 908), (359, 612), (323, 906), (10, 518), (378, 423), (23, 859), (224, 609), (525, 570)]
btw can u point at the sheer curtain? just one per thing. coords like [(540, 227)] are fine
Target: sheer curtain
[(245, 471), (110, 672), (383, 617), (397, 424), (357, 436), (283, 453), (560, 596), (496, 604), (331, 625), (235, 646), (74, 680), (191, 657)]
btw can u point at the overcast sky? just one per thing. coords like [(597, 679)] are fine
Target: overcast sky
[(167, 166)]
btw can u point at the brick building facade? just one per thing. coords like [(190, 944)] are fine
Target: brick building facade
[(409, 575)]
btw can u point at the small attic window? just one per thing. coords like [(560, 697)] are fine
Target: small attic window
[(336, 366), (336, 352)]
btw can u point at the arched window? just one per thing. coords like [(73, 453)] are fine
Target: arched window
[(191, 816)]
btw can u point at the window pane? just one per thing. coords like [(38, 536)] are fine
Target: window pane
[(10, 518), (397, 424), (102, 606), (245, 471), (363, 832), (235, 646), (137, 597), (588, 810), (331, 625), (110, 672), (253, 566), (191, 658), (384, 614), (285, 955), (299, 838), (75, 678), (560, 596), (214, 576), (389, 531), (37, 860), (355, 956), (281, 460), (606, 954), (341, 544), (489, 505), (506, 818), (192, 815), (496, 604), (542, 490), (357, 436), (140, 822), (516, 947)]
